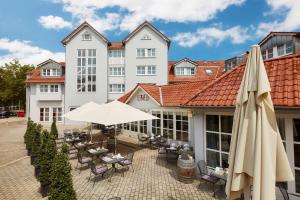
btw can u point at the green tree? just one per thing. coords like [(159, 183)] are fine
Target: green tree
[(54, 131), (61, 179), (27, 132), (36, 144), (12, 86), (47, 153)]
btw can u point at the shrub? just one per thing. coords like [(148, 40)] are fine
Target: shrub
[(54, 131), (47, 154), (28, 132), (64, 148), (61, 179), (36, 143)]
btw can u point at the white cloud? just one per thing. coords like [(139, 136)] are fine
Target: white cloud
[(54, 22), (136, 11), (25, 52), (212, 36), (290, 22)]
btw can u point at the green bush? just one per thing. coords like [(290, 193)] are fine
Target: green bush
[(61, 179), (64, 148), (28, 132), (47, 154), (36, 143), (54, 131)]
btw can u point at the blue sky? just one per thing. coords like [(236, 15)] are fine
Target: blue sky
[(32, 30)]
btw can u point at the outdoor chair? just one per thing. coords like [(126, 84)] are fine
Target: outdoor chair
[(97, 171), (205, 176), (283, 191), (142, 139), (127, 161), (82, 160)]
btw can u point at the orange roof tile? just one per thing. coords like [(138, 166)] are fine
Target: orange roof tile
[(35, 76), (116, 45), (217, 68), (170, 95), (284, 77)]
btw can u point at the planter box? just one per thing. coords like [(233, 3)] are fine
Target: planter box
[(45, 188)]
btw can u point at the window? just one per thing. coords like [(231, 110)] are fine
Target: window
[(218, 136), (46, 72), (86, 37), (280, 50), (116, 53), (116, 88), (264, 54), (185, 71), (56, 114), (116, 71), (270, 53), (134, 126), (209, 71), (143, 126), (146, 70), (53, 88), (145, 53), (182, 126), (126, 126), (86, 70), (156, 125), (146, 37), (43, 88), (55, 72), (296, 140), (168, 125), (289, 48), (44, 114)]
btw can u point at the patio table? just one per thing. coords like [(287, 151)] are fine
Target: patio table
[(220, 173), (97, 152), (112, 159), (73, 140)]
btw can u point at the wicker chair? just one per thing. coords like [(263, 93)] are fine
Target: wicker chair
[(142, 139), (82, 160), (97, 171), (127, 161), (204, 175)]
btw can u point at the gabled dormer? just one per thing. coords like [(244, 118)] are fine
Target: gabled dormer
[(50, 69), (185, 67)]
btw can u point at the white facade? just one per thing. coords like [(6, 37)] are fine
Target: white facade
[(116, 67)]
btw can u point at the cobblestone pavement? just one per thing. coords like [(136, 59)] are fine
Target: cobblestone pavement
[(152, 178)]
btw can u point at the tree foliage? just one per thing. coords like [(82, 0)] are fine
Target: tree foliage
[(28, 132), (61, 179), (36, 143), (54, 130), (46, 155), (12, 86)]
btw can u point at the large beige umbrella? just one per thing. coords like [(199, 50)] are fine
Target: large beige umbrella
[(257, 157)]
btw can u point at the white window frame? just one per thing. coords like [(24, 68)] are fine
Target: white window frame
[(145, 52), (220, 133), (116, 88), (86, 70), (146, 70), (44, 88), (58, 112), (46, 72), (116, 71), (182, 114), (84, 38), (46, 114), (185, 71), (116, 53)]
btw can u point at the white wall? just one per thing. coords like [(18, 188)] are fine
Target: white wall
[(131, 61), (72, 97)]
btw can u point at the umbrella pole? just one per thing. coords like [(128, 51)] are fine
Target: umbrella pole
[(115, 140), (91, 132)]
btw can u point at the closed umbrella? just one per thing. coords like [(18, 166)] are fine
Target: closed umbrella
[(257, 157)]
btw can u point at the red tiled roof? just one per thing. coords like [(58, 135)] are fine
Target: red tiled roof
[(116, 45), (217, 68), (284, 77), (170, 95), (35, 76)]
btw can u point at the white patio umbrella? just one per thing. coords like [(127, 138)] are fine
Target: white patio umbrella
[(112, 113), (257, 157)]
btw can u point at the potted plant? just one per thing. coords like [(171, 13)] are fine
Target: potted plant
[(35, 143), (54, 131), (47, 153), (28, 136), (29, 125), (61, 179)]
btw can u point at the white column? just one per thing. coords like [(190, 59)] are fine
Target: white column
[(198, 131)]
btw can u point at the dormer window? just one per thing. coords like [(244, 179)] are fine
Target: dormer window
[(146, 37), (209, 71), (46, 72), (51, 72), (185, 71), (86, 37)]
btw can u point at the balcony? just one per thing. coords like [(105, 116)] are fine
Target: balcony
[(116, 61), (49, 97)]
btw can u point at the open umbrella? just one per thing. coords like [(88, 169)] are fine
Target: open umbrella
[(108, 114), (257, 158)]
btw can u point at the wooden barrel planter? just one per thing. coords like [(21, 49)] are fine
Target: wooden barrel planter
[(185, 170)]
